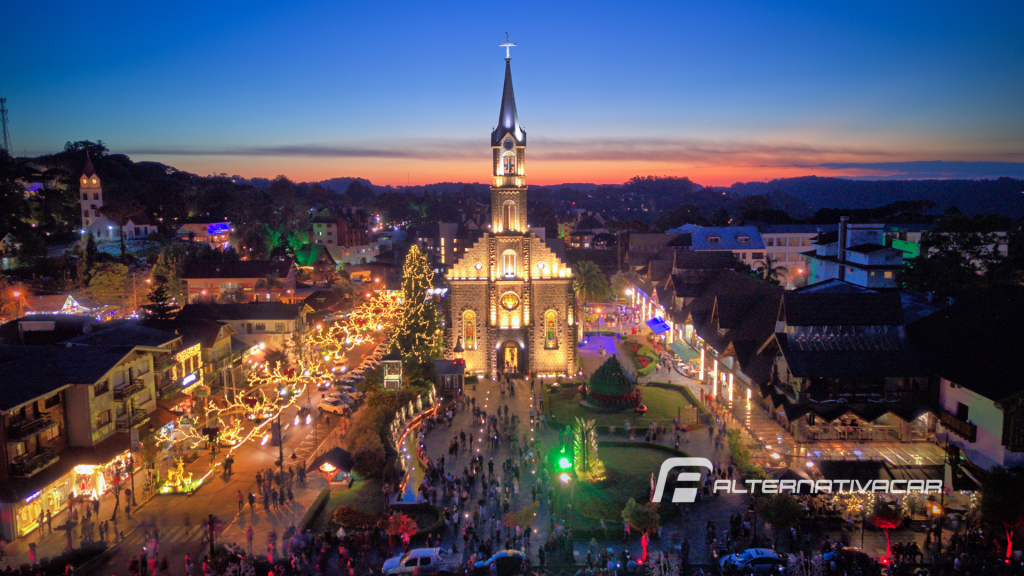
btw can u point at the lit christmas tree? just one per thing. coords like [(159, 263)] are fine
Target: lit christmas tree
[(588, 466), (417, 335)]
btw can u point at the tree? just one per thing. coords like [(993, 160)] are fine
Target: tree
[(770, 271), (781, 511), (886, 518), (590, 284), (643, 517), (160, 306), (680, 215), (588, 466), (417, 335), (110, 283), (270, 283), (1001, 501), (169, 268), (958, 257), (119, 212), (400, 525), (86, 261), (619, 284)]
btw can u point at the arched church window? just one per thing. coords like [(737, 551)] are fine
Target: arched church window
[(509, 162), (550, 329), (469, 330), (508, 263), (508, 216)]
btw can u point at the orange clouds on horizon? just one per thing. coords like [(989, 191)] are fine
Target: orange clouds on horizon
[(419, 172)]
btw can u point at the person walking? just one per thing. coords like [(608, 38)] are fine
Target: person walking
[(252, 502), (241, 501)]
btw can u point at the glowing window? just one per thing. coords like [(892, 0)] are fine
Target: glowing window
[(469, 330), (550, 322), (508, 263), (509, 162), (508, 215)]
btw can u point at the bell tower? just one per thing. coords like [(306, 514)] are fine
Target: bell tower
[(508, 169), (92, 194)]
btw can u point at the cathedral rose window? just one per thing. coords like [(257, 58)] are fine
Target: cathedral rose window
[(509, 301)]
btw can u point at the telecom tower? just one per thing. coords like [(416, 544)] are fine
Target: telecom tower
[(3, 120)]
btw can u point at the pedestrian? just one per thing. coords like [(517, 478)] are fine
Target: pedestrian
[(49, 522), (241, 501), (252, 502)]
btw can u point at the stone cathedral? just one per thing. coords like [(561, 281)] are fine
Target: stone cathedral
[(511, 303)]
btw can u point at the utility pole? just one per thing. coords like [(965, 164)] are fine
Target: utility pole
[(6, 143)]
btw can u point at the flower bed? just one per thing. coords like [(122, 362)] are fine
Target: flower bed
[(644, 358)]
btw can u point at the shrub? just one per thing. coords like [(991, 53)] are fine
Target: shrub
[(349, 517)]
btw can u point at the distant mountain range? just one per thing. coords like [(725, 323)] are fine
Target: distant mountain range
[(806, 194)]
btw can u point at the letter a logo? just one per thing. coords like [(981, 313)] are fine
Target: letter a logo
[(680, 494)]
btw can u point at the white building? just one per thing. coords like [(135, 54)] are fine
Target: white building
[(93, 221)]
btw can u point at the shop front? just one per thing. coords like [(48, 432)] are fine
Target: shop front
[(30, 511)]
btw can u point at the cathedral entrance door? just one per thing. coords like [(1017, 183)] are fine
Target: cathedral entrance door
[(509, 358)]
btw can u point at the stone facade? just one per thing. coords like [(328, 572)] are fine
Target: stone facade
[(510, 296)]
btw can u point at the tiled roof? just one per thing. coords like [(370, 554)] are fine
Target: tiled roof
[(843, 309), (192, 330), (850, 363), (240, 269), (125, 335), (246, 311), (35, 371), (976, 342), (729, 237)]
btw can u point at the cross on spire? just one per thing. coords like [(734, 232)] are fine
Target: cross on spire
[(506, 46)]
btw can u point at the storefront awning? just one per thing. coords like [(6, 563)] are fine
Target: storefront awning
[(658, 326), (683, 350)]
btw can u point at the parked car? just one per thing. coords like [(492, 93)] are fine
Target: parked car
[(509, 562), (760, 561), (421, 561), (333, 405)]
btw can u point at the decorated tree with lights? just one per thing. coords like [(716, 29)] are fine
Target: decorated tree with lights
[(584, 445), (417, 335)]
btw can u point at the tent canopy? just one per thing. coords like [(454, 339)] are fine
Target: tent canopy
[(683, 350), (658, 325), (336, 457)]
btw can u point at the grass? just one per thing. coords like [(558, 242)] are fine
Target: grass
[(628, 476), (661, 405), (365, 496)]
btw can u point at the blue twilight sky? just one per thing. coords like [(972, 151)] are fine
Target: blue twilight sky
[(409, 91)]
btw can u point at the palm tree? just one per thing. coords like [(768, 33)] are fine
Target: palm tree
[(590, 284), (769, 271)]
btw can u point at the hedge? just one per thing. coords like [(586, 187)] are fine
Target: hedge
[(309, 518), (409, 509)]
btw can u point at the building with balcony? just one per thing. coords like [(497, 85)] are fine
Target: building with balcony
[(213, 234), (346, 237), (275, 325), (855, 253), (63, 407), (967, 350), (242, 281)]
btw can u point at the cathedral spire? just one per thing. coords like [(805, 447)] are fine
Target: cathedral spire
[(508, 119), (88, 170)]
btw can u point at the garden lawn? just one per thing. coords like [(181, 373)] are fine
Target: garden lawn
[(629, 476), (662, 405), (365, 496)]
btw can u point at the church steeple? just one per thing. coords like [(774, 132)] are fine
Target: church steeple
[(508, 171), (508, 119)]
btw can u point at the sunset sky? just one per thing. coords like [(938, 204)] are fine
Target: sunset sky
[(401, 92)]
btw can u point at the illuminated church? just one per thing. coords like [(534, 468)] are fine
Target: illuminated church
[(511, 303)]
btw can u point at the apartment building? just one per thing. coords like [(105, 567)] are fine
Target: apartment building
[(346, 236), (67, 412), (242, 281), (275, 325)]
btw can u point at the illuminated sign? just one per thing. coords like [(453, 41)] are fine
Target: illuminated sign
[(218, 228), (188, 379), (33, 497)]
